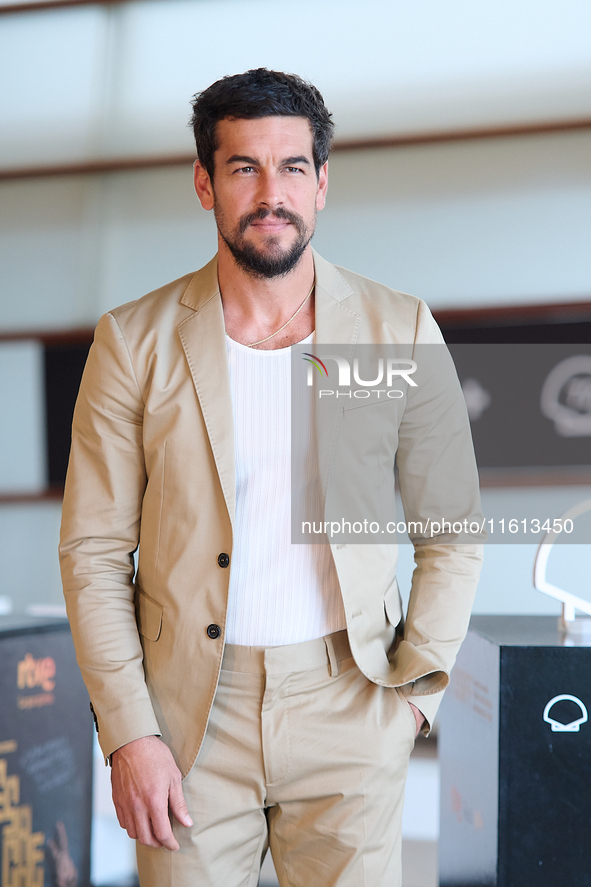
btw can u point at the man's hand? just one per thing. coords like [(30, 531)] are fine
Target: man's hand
[(146, 785), (419, 718)]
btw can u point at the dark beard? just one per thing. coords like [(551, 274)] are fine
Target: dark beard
[(274, 263)]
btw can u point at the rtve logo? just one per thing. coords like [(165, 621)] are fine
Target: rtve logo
[(33, 673)]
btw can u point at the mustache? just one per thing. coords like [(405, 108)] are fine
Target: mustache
[(279, 213)]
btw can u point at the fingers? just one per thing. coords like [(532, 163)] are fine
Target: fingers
[(178, 805), (140, 827), (145, 782), (153, 831), (136, 821), (120, 814), (162, 831), (419, 718)]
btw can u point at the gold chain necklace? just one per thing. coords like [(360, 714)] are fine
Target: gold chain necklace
[(294, 315)]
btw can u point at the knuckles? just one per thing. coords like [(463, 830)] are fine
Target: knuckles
[(162, 836)]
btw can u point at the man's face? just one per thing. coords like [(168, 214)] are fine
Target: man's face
[(265, 192)]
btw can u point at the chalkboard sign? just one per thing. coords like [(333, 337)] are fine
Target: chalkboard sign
[(45, 757)]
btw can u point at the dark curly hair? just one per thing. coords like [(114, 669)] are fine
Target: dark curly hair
[(259, 93)]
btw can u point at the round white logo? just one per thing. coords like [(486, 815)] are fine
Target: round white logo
[(566, 396), (572, 726)]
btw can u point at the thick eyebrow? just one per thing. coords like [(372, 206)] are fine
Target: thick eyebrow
[(252, 161), (293, 161), (239, 158)]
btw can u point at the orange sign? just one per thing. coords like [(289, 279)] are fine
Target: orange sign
[(33, 673)]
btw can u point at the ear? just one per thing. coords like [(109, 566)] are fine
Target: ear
[(203, 186), (322, 186)]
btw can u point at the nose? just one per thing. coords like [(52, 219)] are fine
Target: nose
[(269, 194)]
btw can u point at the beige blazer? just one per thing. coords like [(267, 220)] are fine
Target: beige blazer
[(152, 463)]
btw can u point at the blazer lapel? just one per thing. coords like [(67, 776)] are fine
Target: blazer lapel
[(335, 324), (203, 337)]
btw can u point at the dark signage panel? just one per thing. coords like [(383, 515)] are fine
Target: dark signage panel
[(45, 757), (515, 754), (529, 405), (64, 364)]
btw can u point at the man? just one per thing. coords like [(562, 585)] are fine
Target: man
[(278, 681)]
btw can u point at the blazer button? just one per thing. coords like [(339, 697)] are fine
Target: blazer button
[(94, 717), (213, 631), (223, 559)]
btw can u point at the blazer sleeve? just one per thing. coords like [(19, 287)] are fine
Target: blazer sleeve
[(99, 534), (439, 489)]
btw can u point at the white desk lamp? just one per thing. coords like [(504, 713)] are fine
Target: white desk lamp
[(570, 602)]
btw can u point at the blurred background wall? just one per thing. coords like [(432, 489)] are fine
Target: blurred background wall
[(426, 195), (97, 206)]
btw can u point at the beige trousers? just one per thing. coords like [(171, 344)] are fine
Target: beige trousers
[(303, 754)]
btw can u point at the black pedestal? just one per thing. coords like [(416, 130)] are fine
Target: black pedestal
[(516, 788), (45, 757)]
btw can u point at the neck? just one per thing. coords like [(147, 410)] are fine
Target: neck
[(254, 307)]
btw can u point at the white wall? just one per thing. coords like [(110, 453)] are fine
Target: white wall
[(473, 223), (22, 425), (118, 79), (29, 569), (506, 583), (491, 222)]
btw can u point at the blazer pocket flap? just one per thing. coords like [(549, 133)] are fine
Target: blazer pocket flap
[(374, 399), (148, 616)]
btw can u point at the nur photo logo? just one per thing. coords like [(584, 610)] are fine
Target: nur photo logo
[(388, 371)]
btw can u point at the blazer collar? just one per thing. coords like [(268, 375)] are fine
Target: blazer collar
[(203, 286), (203, 337), (335, 322)]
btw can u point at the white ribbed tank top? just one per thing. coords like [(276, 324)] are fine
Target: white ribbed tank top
[(279, 593)]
